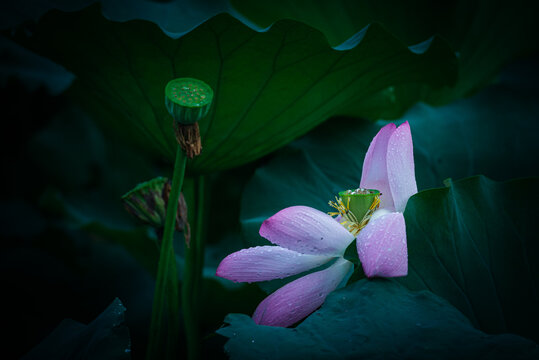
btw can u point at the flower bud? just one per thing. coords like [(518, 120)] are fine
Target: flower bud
[(148, 202)]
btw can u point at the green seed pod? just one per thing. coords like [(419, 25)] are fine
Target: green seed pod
[(355, 208), (359, 200), (188, 100)]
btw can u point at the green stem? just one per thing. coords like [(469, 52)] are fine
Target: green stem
[(190, 325), (199, 235), (166, 288), (173, 302), (192, 278)]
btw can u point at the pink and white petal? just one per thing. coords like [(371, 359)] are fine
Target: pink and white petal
[(306, 230), (263, 263), (296, 300), (400, 166), (381, 246), (374, 173)]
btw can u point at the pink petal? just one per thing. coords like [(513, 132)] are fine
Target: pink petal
[(306, 230), (381, 246), (400, 166), (297, 299), (263, 263), (374, 174)]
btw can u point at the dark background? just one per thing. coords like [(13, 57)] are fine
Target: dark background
[(68, 247)]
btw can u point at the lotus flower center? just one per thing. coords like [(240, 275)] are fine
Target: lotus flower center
[(356, 207)]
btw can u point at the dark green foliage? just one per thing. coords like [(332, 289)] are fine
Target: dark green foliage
[(269, 87), (377, 319), (486, 34), (105, 338), (474, 244)]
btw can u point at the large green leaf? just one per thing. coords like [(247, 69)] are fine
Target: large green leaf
[(374, 320), (270, 87), (474, 244), (477, 30), (339, 20), (481, 230)]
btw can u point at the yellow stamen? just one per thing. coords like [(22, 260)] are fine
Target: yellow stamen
[(349, 219)]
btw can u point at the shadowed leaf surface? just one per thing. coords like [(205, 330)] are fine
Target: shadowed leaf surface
[(374, 320), (478, 31), (270, 87), (473, 244), (104, 338)]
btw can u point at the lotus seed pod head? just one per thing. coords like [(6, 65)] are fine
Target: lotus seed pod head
[(359, 200), (188, 100)]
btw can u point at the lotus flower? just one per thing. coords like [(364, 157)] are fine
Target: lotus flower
[(307, 238)]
